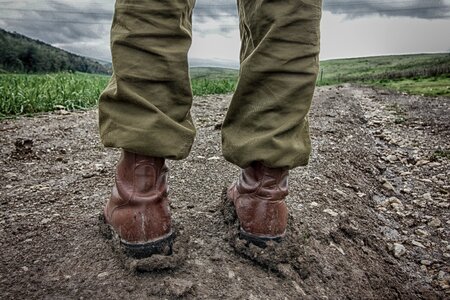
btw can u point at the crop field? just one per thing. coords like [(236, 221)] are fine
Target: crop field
[(421, 74), (426, 74), (29, 94), (23, 94)]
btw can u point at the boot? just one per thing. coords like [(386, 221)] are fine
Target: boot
[(258, 197), (138, 210)]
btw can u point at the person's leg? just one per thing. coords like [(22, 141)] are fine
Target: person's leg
[(145, 108), (265, 131), (145, 111), (267, 120)]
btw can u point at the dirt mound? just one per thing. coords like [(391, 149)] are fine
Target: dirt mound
[(368, 216)]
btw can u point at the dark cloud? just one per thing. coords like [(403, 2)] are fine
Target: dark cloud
[(61, 22), (429, 9), (80, 24)]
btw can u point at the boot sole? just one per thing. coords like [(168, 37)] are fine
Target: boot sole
[(258, 240), (162, 246)]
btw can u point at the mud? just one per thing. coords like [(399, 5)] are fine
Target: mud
[(368, 216)]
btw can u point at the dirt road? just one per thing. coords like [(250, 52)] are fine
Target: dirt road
[(371, 209)]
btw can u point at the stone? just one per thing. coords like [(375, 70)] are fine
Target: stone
[(422, 162), (399, 250), (393, 202), (418, 244), (427, 196), (391, 158), (231, 274), (425, 262), (388, 186), (330, 212), (443, 204), (435, 222), (421, 232), (103, 274), (407, 190)]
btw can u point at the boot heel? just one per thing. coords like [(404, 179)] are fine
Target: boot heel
[(139, 251), (257, 240)]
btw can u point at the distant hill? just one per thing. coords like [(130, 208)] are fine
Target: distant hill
[(213, 73), (21, 54), (391, 67)]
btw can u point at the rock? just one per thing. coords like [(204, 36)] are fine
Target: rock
[(427, 196), (421, 203), (103, 275), (314, 204), (425, 262), (231, 274), (422, 232), (46, 221), (378, 199), (434, 164), (214, 158), (390, 233), (399, 250), (443, 204), (407, 190), (422, 162), (88, 175), (426, 180), (388, 186), (330, 212), (25, 269), (435, 222), (418, 244), (391, 158), (441, 275), (343, 194), (393, 202)]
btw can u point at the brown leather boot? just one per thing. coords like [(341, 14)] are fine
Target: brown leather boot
[(258, 197), (138, 209)]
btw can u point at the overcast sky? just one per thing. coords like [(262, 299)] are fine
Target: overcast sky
[(350, 28)]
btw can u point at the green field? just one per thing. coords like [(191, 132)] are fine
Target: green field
[(29, 94), (22, 94), (429, 74), (423, 74)]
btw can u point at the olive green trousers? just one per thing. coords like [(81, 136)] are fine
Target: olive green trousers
[(146, 106)]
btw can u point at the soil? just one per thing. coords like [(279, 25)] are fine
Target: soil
[(369, 216)]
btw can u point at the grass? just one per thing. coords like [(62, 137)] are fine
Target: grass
[(22, 94), (431, 86), (206, 81), (425, 74), (29, 94)]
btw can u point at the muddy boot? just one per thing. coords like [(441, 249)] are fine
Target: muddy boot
[(258, 197), (138, 210)]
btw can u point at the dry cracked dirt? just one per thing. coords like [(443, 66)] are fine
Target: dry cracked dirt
[(369, 214)]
